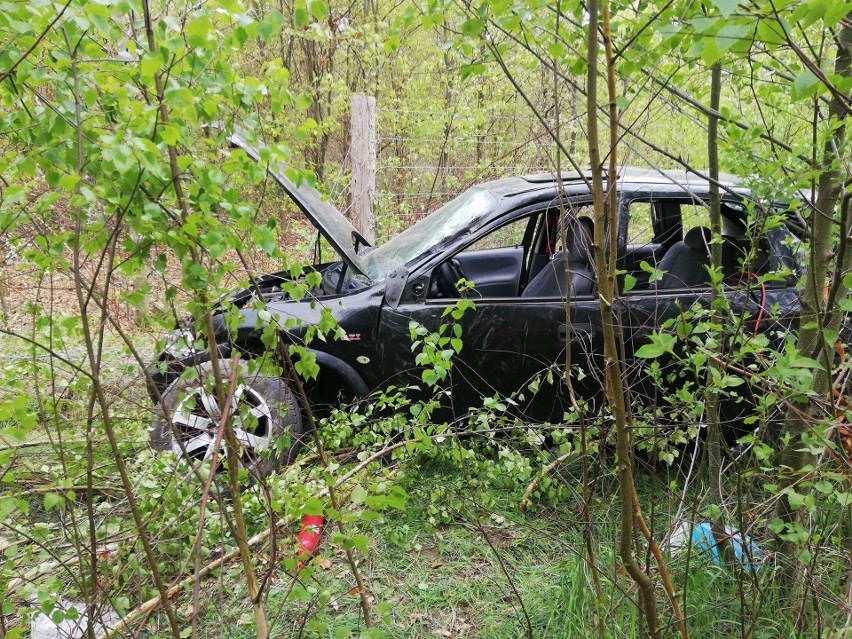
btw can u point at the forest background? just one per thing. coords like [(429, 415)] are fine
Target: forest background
[(120, 213)]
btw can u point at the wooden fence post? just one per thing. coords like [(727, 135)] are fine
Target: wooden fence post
[(363, 154)]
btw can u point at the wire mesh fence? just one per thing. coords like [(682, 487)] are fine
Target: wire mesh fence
[(425, 158)]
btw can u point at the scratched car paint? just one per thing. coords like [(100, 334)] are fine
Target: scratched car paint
[(522, 245)]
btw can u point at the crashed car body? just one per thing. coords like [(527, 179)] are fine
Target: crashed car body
[(508, 238)]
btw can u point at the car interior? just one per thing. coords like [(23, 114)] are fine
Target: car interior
[(668, 247), (524, 258)]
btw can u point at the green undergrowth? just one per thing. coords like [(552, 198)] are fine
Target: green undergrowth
[(441, 542), (497, 572)]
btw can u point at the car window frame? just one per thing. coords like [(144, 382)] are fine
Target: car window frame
[(538, 208), (670, 229), (667, 228)]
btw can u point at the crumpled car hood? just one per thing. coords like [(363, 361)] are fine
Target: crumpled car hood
[(327, 219)]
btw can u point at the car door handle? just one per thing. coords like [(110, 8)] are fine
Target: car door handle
[(584, 329)]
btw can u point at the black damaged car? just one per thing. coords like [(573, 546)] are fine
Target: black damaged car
[(523, 246)]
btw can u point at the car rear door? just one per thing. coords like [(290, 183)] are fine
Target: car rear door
[(646, 308), (649, 221)]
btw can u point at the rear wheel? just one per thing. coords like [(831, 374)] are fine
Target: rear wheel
[(263, 410)]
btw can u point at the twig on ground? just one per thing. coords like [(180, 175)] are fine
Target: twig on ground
[(147, 607), (525, 500), (152, 604)]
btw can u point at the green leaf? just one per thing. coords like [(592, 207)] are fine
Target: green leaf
[(669, 31), (725, 7), (472, 28), (150, 65), (557, 50), (650, 351), (704, 23), (264, 31), (835, 12), (795, 500), (52, 500), (302, 102), (14, 194), (306, 365), (663, 343), (712, 511), (313, 506), (361, 542), (178, 96), (7, 506), (199, 31), (731, 35), (805, 362), (359, 495), (777, 525), (266, 239), (804, 85), (319, 10), (368, 516), (300, 18), (710, 53), (824, 487), (170, 134), (69, 182), (654, 274), (392, 42), (397, 497), (769, 31), (471, 70)]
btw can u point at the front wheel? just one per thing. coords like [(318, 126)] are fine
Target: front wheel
[(263, 410)]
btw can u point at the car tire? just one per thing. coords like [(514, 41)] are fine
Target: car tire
[(266, 410)]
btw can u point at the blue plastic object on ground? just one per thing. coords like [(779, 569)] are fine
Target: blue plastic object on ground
[(749, 555)]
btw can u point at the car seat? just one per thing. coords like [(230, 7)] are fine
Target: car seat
[(550, 280), (685, 263), (735, 250)]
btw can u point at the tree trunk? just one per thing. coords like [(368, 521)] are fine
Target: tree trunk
[(605, 217), (816, 315)]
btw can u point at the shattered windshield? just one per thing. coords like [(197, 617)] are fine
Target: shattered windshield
[(421, 239)]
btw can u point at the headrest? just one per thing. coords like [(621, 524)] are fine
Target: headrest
[(698, 239), (734, 250), (580, 239)]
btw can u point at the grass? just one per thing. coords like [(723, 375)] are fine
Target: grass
[(441, 578), (447, 581)]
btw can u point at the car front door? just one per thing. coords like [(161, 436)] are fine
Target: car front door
[(512, 346)]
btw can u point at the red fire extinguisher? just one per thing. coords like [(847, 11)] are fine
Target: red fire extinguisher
[(309, 537)]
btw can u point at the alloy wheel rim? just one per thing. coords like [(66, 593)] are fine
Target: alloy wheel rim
[(197, 417)]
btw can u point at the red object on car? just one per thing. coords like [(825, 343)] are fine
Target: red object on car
[(309, 537)]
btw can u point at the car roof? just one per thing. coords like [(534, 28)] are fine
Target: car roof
[(637, 175), (630, 179)]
